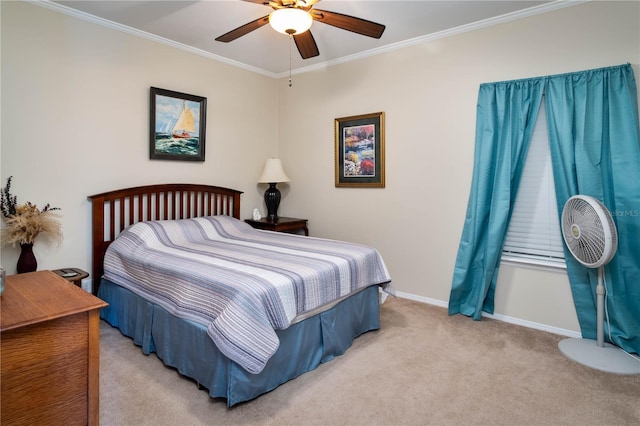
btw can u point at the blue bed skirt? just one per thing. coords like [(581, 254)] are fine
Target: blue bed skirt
[(185, 345)]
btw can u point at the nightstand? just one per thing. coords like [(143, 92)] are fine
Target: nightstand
[(75, 275), (282, 224)]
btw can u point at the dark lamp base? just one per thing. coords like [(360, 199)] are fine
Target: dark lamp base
[(272, 200)]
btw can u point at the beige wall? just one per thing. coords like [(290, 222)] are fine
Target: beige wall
[(428, 93), (75, 122)]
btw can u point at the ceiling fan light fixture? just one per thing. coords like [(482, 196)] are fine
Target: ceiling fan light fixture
[(290, 21)]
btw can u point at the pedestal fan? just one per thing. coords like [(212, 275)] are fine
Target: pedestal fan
[(591, 237)]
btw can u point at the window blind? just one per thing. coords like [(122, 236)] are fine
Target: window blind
[(534, 235)]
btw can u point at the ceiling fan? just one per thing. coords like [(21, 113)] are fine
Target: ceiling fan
[(290, 10)]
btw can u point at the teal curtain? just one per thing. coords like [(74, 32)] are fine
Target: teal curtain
[(506, 115), (594, 140), (595, 150)]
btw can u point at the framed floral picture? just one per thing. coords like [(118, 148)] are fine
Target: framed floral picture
[(177, 127), (359, 151)]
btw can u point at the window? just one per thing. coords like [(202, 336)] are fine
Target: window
[(534, 235)]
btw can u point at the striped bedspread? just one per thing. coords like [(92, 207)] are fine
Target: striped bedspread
[(239, 282)]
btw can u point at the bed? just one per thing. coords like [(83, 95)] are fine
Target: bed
[(273, 323)]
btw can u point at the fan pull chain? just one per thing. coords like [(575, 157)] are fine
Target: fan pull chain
[(290, 48)]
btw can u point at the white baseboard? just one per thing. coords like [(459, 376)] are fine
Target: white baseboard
[(87, 284), (499, 317)]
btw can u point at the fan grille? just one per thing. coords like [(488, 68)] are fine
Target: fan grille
[(589, 231)]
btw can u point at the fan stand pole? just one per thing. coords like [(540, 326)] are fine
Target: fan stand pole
[(600, 310), (596, 353)]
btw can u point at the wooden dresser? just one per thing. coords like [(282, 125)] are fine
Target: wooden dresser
[(49, 351)]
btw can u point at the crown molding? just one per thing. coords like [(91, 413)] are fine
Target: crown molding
[(536, 10), (143, 34), (508, 17)]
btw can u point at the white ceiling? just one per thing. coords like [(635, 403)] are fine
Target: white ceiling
[(193, 25)]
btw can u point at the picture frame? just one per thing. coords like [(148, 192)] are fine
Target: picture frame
[(177, 126), (360, 151)]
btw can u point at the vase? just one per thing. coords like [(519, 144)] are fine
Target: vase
[(27, 261)]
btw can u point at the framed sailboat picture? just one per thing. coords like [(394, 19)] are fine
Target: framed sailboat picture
[(177, 128)]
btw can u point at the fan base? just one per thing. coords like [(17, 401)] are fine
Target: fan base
[(609, 358)]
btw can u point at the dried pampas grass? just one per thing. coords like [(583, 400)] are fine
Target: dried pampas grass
[(28, 223), (24, 222)]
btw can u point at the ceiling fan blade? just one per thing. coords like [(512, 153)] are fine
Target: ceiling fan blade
[(244, 29), (264, 2), (349, 23), (275, 4), (306, 45)]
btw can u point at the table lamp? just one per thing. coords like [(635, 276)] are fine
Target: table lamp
[(272, 174)]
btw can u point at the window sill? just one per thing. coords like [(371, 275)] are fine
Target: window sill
[(547, 265)]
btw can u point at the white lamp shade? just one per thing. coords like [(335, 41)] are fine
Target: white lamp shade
[(273, 172), (290, 21)]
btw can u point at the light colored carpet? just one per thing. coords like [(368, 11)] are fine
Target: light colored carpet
[(422, 367)]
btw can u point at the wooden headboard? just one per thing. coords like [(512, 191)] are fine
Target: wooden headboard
[(115, 210)]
